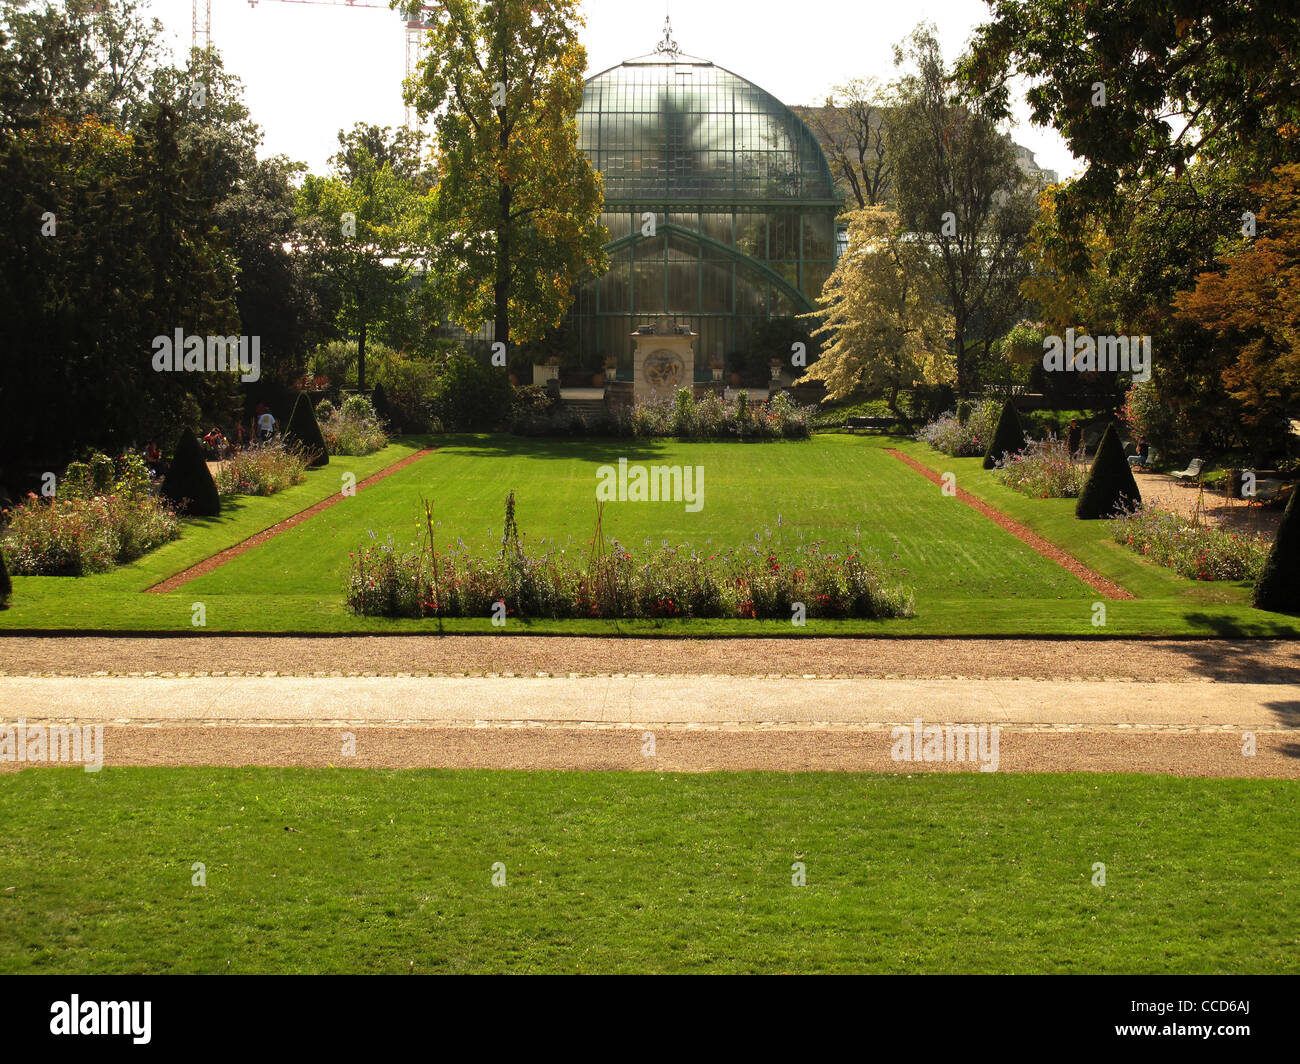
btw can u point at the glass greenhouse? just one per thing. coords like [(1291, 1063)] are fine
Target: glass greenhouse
[(742, 201)]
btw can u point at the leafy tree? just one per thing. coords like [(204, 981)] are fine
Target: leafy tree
[(1183, 80), (961, 191), (188, 484), (1008, 437), (363, 223), (516, 222), (304, 431), (881, 311), (469, 395), (851, 131), (1278, 587), (1110, 485), (1253, 305)]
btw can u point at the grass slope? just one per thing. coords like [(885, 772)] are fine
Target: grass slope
[(615, 872)]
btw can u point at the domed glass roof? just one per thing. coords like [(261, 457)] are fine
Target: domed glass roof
[(668, 127)]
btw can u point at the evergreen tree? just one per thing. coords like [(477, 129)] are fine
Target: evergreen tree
[(188, 485), (1278, 587), (304, 432), (1008, 437), (6, 585), (1110, 485)]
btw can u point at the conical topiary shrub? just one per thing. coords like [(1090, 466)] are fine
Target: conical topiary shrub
[(1278, 586), (304, 432), (1110, 485), (383, 409), (1008, 437), (188, 485), (6, 585)]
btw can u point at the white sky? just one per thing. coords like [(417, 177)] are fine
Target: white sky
[(309, 71)]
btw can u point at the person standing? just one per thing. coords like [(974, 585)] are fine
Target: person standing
[(1074, 437)]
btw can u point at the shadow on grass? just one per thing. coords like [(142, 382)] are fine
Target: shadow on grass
[(603, 449)]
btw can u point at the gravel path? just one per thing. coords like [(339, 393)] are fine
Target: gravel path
[(519, 702), (1224, 660)]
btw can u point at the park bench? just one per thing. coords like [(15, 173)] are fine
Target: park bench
[(1135, 460), (1267, 491), (882, 423), (1193, 470)]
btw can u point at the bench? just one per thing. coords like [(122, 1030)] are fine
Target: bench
[(1135, 460), (882, 423), (1193, 470)]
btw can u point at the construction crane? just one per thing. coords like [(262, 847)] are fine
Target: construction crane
[(413, 14)]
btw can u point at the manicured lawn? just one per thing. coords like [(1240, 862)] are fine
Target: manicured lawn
[(971, 577), (386, 871)]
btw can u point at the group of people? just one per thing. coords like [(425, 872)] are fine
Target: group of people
[(217, 446)]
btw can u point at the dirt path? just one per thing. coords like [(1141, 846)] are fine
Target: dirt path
[(1050, 551), (217, 560)]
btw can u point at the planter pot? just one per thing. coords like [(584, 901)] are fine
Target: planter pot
[(734, 380), (598, 380)]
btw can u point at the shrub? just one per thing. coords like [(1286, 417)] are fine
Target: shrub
[(469, 394), (73, 537), (962, 439), (1008, 437), (303, 432), (6, 585), (262, 470), (1278, 587), (1043, 470), (354, 428), (1198, 552), (189, 486), (1110, 486)]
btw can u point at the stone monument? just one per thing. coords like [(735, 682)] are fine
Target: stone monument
[(663, 360)]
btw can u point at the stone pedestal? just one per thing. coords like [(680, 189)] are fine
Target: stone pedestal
[(663, 360)]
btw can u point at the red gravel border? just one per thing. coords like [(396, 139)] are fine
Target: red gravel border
[(217, 560), (1048, 550)]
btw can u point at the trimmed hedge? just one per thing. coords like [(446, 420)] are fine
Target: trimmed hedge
[(304, 431), (6, 585), (1008, 437), (189, 486), (1278, 587), (1110, 485)]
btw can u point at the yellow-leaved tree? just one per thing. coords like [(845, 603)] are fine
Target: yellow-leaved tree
[(886, 325)]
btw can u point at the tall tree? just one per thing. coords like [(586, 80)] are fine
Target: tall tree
[(960, 190), (364, 222), (882, 312), (517, 218), (1252, 304), (851, 130), (1141, 88)]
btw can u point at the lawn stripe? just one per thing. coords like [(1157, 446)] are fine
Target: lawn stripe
[(217, 560), (1048, 550)]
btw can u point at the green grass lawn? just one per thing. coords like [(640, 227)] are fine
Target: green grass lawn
[(387, 871), (971, 577)]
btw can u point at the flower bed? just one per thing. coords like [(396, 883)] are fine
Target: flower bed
[(1043, 470), (756, 582), (262, 470), (1198, 552), (353, 428), (948, 434), (96, 521)]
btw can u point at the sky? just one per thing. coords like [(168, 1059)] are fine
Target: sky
[(310, 70)]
